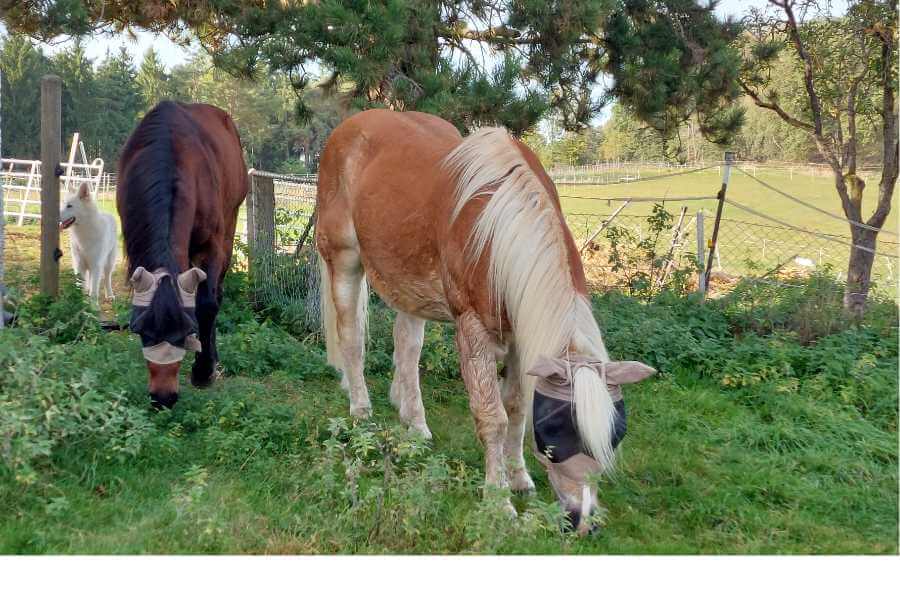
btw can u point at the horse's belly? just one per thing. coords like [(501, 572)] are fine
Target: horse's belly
[(422, 296)]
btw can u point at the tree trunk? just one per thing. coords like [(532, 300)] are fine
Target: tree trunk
[(850, 188), (859, 271)]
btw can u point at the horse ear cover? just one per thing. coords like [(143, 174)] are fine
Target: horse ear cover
[(190, 280), (141, 279), (627, 371)]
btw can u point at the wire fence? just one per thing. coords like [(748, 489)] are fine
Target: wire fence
[(276, 231), (285, 274), (744, 248)]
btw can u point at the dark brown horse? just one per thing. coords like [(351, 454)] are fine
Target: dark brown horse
[(182, 179)]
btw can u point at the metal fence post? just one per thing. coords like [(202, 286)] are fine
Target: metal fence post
[(51, 148), (701, 246), (726, 174)]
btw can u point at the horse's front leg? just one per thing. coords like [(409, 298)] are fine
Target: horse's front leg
[(479, 371), (209, 299), (514, 403)]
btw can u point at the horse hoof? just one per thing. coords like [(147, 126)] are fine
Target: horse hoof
[(201, 381), (204, 379), (160, 402)]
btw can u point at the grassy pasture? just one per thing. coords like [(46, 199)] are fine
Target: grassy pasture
[(815, 189), (748, 441), (744, 236)]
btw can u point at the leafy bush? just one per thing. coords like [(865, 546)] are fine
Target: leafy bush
[(855, 366), (68, 317), (50, 407), (641, 267), (256, 349), (811, 306)]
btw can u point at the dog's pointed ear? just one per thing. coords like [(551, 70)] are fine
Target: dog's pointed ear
[(627, 371), (191, 279), (84, 192), (141, 279)]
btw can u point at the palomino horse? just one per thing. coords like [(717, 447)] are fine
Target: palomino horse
[(182, 179), (470, 231)]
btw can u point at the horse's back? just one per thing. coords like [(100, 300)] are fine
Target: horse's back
[(182, 178), (222, 135)]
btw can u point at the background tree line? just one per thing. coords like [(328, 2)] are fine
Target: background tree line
[(104, 99)]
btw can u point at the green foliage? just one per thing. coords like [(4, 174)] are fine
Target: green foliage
[(69, 317), (672, 61), (748, 441), (669, 58), (21, 66), (741, 346), (772, 71), (103, 101), (645, 267), (257, 349), (52, 407)]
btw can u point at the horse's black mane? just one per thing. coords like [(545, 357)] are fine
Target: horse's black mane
[(149, 168), (148, 163)]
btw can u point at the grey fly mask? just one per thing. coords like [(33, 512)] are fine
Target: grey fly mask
[(163, 347)]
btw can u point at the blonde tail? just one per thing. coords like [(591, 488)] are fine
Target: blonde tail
[(329, 317)]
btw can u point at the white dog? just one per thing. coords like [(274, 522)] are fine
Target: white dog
[(93, 240)]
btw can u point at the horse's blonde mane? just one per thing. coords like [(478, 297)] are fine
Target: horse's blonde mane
[(529, 271)]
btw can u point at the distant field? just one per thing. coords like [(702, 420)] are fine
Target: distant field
[(744, 236), (816, 190)]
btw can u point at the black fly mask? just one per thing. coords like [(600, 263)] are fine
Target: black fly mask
[(164, 313)]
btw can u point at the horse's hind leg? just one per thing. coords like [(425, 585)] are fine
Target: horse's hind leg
[(406, 395), (350, 296), (479, 371), (514, 403)]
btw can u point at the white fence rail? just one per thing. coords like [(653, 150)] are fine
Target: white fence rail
[(21, 180)]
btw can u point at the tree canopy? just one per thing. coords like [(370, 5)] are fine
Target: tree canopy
[(471, 61)]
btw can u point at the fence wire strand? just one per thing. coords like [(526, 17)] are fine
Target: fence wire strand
[(814, 207)]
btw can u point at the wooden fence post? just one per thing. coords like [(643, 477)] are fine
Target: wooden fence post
[(701, 247), (2, 219), (261, 219), (51, 148), (726, 174)]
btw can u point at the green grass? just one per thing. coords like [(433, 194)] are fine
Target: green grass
[(748, 442)]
